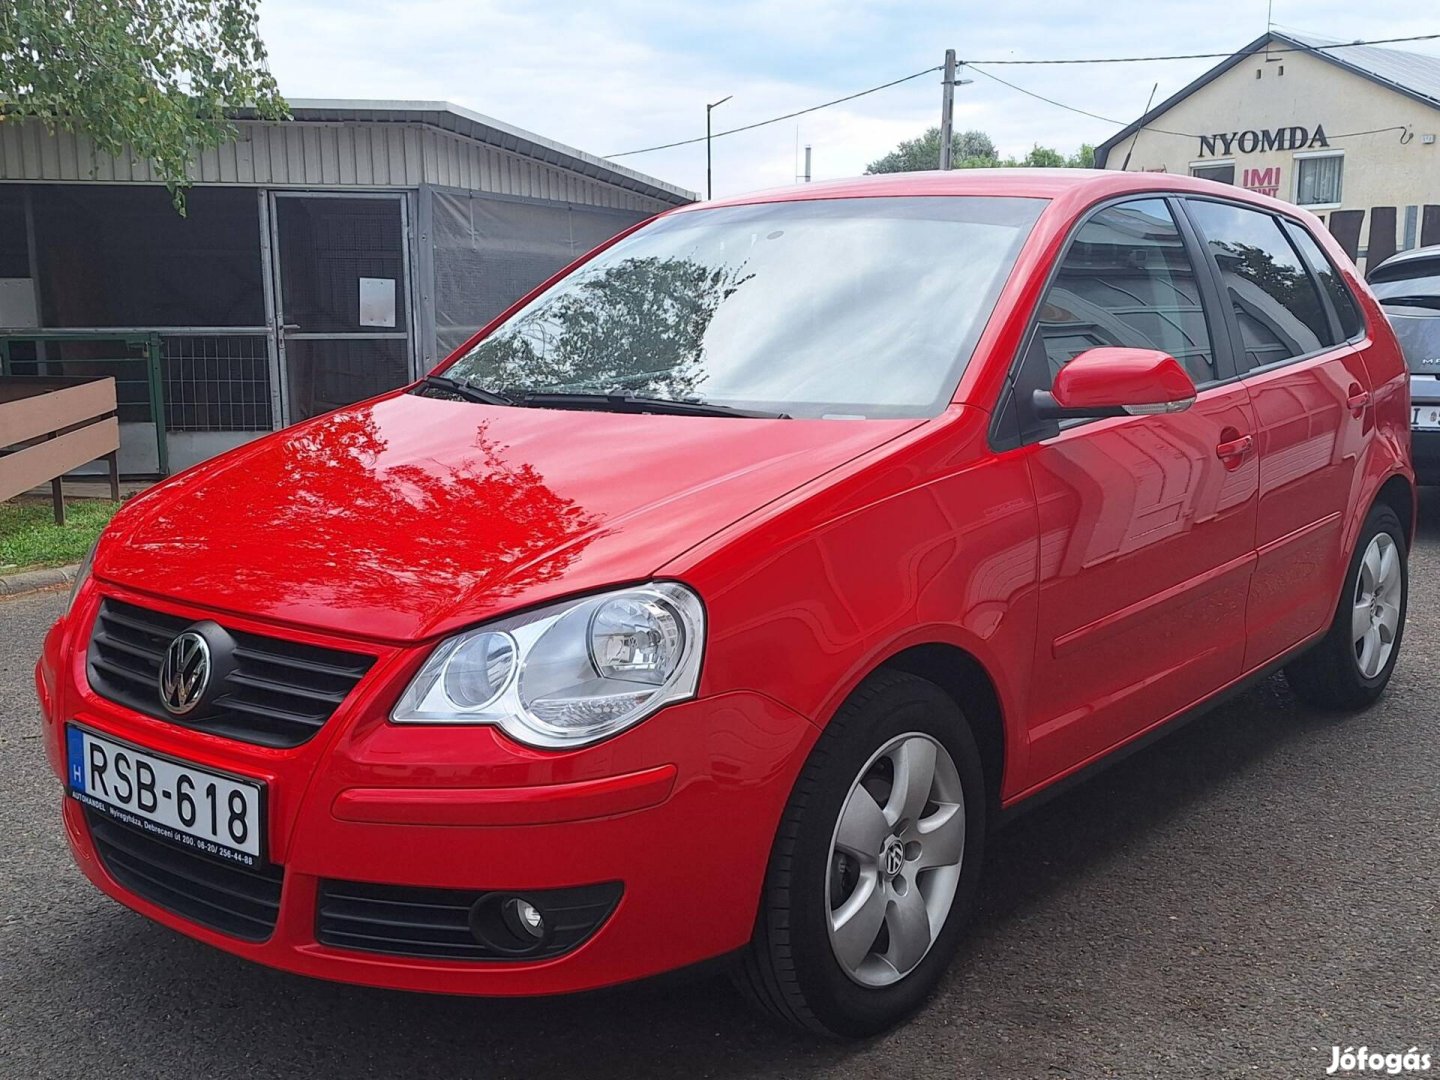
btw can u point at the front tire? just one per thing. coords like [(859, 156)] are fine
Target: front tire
[(1351, 666), (875, 865)]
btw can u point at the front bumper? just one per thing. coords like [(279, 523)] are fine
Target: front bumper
[(681, 811)]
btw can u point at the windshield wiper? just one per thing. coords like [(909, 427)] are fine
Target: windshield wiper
[(468, 391), (639, 403)]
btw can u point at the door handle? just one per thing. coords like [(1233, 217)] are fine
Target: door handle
[(1357, 400), (1234, 449)]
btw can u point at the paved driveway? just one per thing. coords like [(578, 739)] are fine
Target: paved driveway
[(1230, 902)]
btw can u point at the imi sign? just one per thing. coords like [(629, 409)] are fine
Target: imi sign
[(1251, 142)]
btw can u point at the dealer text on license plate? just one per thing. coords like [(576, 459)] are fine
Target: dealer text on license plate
[(1425, 417), (197, 809)]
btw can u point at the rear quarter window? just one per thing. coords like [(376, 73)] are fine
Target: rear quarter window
[(1330, 280)]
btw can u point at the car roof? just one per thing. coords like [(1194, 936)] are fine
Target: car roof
[(1081, 185)]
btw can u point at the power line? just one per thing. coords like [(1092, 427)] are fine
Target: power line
[(1030, 93), (1052, 101), (1147, 127), (1209, 56), (777, 119)]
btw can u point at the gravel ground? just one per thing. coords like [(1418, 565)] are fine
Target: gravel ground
[(1230, 902)]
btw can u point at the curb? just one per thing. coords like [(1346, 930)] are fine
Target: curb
[(28, 581)]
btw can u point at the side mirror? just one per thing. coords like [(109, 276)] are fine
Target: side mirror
[(1116, 382)]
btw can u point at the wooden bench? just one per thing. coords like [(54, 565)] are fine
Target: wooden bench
[(49, 426)]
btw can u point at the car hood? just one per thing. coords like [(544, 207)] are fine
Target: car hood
[(410, 516)]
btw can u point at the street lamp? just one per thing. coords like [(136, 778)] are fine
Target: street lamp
[(712, 105)]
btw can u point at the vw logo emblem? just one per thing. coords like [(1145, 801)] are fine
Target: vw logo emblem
[(894, 857), (185, 673)]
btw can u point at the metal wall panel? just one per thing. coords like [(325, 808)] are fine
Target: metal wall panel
[(326, 155)]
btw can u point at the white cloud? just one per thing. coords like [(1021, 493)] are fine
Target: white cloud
[(626, 74)]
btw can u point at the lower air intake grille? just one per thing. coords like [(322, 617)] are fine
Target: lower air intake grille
[(456, 924), (231, 899), (276, 692)]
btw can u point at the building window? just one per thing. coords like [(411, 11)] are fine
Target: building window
[(1317, 179), (1221, 174)]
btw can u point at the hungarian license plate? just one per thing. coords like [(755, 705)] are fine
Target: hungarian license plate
[(203, 811), (1425, 417)]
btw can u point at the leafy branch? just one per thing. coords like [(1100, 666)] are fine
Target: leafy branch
[(161, 78)]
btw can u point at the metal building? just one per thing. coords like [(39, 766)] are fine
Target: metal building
[(322, 260)]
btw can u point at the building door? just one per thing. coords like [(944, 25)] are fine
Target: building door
[(342, 298)]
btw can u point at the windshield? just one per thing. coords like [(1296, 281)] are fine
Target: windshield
[(838, 307)]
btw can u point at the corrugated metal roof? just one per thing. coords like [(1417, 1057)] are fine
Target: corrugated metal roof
[(1415, 72), (345, 144), (484, 129)]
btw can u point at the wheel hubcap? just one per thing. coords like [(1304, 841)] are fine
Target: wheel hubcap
[(1375, 619), (895, 860)]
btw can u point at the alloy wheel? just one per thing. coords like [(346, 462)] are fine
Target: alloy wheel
[(1375, 617), (895, 860)]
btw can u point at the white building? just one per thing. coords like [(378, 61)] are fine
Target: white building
[(1347, 131)]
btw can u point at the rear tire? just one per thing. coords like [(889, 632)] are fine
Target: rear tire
[(860, 790), (1351, 666)]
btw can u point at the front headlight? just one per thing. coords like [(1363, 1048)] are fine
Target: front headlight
[(82, 574), (569, 674)]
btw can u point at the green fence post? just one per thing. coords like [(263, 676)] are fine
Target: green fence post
[(4, 356), (157, 403)]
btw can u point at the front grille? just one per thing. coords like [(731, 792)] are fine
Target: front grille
[(232, 899), (438, 923), (278, 693)]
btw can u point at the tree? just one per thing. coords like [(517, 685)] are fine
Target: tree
[(974, 150), (917, 155), (159, 76), (969, 145), (912, 155), (1042, 157)]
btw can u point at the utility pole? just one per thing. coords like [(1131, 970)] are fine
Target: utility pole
[(708, 108), (947, 111), (807, 163)]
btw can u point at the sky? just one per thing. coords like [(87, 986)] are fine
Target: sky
[(621, 75)]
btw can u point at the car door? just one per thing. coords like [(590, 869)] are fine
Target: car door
[(1147, 523), (1311, 397)]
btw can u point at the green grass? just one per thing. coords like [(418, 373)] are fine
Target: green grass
[(29, 537)]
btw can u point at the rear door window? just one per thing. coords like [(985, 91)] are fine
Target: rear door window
[(1276, 302)]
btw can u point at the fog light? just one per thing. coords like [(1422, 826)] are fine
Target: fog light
[(509, 924), (523, 919)]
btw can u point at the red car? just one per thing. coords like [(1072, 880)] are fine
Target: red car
[(718, 599)]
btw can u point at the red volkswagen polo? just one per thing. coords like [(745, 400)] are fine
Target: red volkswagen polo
[(721, 596)]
